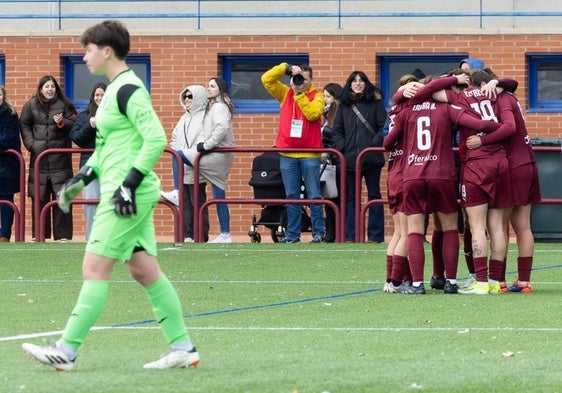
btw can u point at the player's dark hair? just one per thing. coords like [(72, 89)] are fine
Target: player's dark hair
[(404, 79), (110, 33), (477, 77), (460, 71)]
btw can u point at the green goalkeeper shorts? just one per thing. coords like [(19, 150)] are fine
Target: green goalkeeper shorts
[(116, 237)]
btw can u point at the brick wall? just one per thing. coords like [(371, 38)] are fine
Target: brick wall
[(181, 60)]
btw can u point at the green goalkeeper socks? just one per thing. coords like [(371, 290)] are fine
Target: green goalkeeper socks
[(167, 310), (87, 310)]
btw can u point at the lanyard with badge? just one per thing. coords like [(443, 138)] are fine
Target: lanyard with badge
[(296, 124)]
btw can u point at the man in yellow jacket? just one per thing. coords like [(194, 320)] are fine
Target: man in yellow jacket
[(299, 127)]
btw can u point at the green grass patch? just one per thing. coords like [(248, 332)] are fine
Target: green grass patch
[(284, 318)]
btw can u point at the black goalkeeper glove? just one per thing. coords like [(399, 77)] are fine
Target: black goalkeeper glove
[(74, 186), (123, 201)]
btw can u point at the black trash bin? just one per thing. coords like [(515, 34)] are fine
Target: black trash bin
[(546, 220)]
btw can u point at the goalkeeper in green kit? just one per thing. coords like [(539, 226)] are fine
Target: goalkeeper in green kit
[(129, 142)]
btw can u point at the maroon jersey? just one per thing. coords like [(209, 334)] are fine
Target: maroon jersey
[(487, 109), (428, 149), (394, 140), (519, 149)]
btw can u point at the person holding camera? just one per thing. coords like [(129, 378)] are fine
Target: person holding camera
[(358, 125), (299, 128)]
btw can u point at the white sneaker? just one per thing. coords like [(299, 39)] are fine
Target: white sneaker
[(222, 238), (172, 196), (469, 281), (175, 359), (50, 356), (188, 240)]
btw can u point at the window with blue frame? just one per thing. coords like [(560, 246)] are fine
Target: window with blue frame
[(243, 73), (2, 70), (545, 82), (394, 66), (79, 81)]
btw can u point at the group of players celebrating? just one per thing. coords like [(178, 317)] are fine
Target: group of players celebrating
[(497, 182)]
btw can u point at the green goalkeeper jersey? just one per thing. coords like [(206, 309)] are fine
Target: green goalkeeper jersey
[(136, 139)]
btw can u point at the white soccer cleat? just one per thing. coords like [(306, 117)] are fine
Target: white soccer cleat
[(49, 356), (222, 238), (477, 288), (175, 359), (469, 281), (172, 196)]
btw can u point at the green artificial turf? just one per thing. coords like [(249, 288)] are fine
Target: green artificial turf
[(307, 318)]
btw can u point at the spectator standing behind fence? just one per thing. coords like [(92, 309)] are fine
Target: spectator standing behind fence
[(217, 132), (46, 121), (83, 134), (354, 132), (299, 127), (185, 136), (9, 164), (332, 93)]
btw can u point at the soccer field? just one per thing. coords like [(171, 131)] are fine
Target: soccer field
[(306, 318)]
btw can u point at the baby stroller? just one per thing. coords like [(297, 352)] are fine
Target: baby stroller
[(267, 183)]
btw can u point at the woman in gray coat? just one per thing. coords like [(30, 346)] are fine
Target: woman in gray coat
[(185, 136), (211, 128), (217, 132), (46, 120)]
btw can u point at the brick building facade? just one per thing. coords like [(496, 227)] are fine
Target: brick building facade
[(192, 58)]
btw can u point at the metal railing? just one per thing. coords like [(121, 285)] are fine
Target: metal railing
[(338, 210), (19, 213), (41, 213), (361, 209)]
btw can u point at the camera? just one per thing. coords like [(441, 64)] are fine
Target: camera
[(298, 80)]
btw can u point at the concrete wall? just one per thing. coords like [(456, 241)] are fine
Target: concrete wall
[(282, 15)]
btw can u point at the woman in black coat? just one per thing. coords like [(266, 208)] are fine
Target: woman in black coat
[(46, 121), (83, 134), (9, 164), (351, 136)]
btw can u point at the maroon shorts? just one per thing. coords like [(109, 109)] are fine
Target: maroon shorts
[(486, 181), (428, 196), (525, 187), (395, 193)]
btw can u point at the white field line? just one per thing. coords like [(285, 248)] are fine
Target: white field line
[(460, 330)]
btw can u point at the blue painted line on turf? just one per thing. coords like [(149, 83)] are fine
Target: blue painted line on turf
[(258, 307), (291, 302)]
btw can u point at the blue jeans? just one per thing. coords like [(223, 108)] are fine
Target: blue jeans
[(176, 171), (375, 225), (223, 213), (294, 171), (222, 209), (6, 216)]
